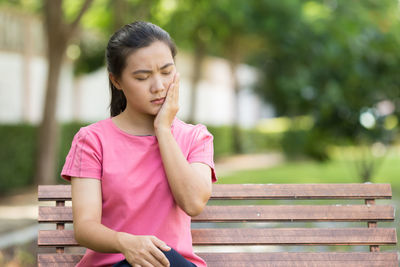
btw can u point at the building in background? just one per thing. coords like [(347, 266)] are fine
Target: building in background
[(23, 70)]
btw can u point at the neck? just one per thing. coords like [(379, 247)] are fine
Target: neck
[(134, 123)]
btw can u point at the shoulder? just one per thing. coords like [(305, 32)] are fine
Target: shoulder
[(182, 126), (94, 132), (189, 131)]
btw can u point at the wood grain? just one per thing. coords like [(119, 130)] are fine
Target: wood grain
[(253, 236), (263, 191), (270, 259), (259, 213)]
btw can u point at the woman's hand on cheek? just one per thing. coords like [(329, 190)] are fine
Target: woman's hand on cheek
[(170, 107)]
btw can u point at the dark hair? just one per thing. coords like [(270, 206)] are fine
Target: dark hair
[(124, 42)]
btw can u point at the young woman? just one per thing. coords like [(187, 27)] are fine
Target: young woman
[(138, 176)]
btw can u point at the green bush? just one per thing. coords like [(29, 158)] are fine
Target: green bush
[(300, 143), (17, 156), (223, 140), (18, 152), (254, 141)]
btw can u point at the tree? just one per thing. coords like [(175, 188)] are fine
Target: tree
[(59, 34), (337, 62)]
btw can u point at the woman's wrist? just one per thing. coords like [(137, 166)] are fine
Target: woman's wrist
[(119, 236), (162, 130)]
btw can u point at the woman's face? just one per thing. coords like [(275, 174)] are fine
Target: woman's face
[(147, 75)]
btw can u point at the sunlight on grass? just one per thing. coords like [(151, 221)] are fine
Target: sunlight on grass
[(334, 171)]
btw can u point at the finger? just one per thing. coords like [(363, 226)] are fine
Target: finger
[(161, 258), (160, 244), (145, 263), (178, 77), (171, 92)]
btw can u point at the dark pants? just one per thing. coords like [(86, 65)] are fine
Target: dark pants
[(175, 260)]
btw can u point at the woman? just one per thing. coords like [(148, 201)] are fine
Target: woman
[(138, 176)]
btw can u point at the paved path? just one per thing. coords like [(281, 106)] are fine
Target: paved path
[(227, 165)]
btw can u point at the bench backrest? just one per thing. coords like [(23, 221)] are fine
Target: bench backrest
[(229, 220)]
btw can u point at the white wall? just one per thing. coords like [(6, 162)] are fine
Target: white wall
[(87, 98), (22, 93)]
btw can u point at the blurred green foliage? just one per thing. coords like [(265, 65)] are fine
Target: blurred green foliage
[(335, 61), (17, 152), (17, 156)]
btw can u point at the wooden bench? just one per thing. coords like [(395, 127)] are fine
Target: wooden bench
[(300, 229)]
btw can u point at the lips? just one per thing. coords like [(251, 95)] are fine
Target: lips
[(158, 101)]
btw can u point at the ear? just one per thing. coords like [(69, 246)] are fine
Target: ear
[(114, 81)]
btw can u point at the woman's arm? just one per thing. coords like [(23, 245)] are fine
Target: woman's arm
[(90, 233), (190, 183)]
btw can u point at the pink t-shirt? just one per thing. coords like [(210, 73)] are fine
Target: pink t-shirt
[(136, 197)]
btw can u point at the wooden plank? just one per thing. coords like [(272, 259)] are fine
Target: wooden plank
[(301, 191), (305, 259), (49, 214), (263, 191), (251, 236), (275, 259), (245, 213), (296, 213), (58, 260), (57, 238), (54, 192), (295, 236)]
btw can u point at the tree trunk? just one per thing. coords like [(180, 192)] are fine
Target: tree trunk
[(236, 134), (58, 35), (235, 55), (48, 130), (119, 13), (199, 55)]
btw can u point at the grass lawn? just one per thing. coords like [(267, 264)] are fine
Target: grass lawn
[(333, 171)]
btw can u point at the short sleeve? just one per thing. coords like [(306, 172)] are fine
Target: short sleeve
[(84, 158), (202, 149)]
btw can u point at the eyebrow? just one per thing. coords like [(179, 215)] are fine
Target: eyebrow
[(150, 71)]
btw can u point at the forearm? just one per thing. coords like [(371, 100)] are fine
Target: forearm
[(97, 237), (191, 191)]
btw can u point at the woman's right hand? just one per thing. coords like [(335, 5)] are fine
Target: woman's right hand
[(144, 251)]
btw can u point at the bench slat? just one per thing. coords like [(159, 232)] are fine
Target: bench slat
[(253, 236), (54, 192), (276, 259), (301, 191), (263, 191), (261, 213), (296, 213), (305, 259), (295, 236), (58, 259)]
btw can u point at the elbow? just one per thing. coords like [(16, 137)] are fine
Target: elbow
[(79, 234), (195, 207), (194, 210)]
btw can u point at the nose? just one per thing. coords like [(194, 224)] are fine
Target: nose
[(157, 84)]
